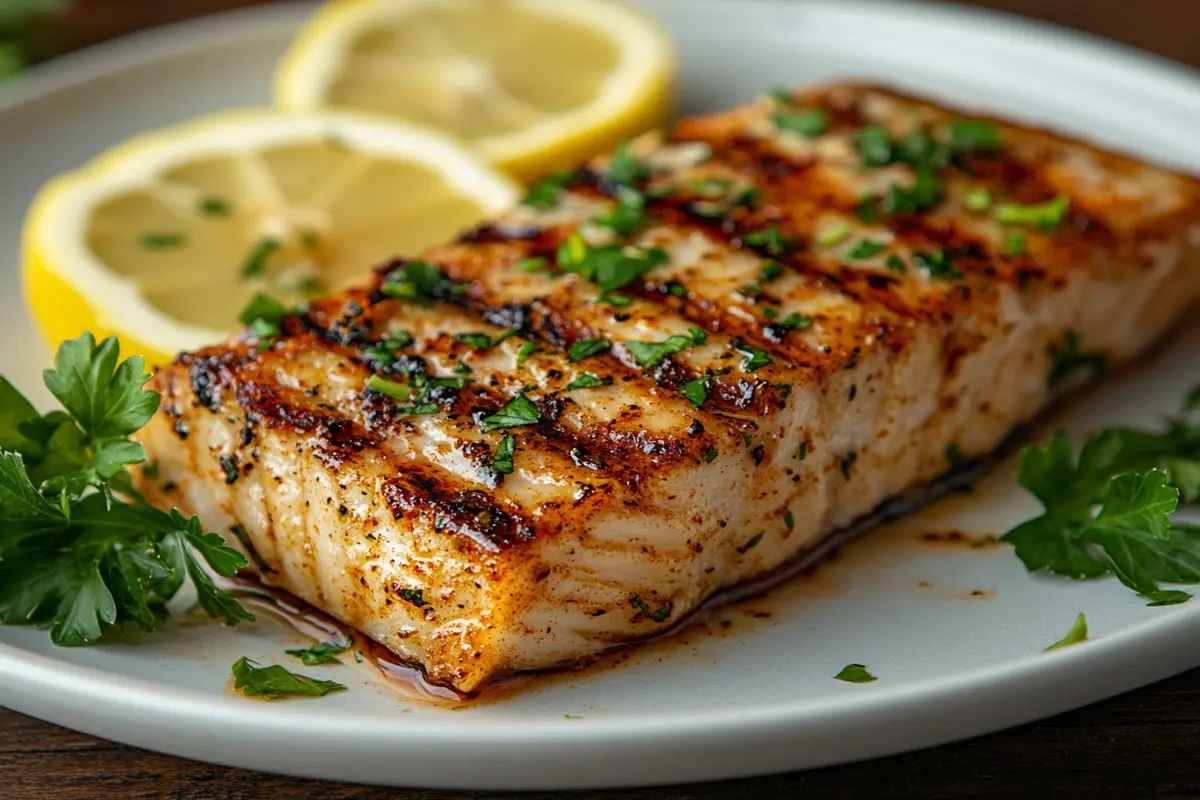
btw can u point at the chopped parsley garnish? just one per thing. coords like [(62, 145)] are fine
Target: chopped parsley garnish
[(614, 300), (502, 459), (794, 321), (609, 266), (937, 264), (865, 249), (750, 543), (1077, 634), (696, 390), (973, 135), (711, 187), (1014, 244), (867, 209), (481, 341), (318, 654), (1043, 216), (977, 199), (769, 239), (462, 369), (925, 193), (807, 122), (214, 206), (710, 455), (275, 681), (586, 348), (519, 411), (256, 260), (659, 614), (802, 451), (769, 272), (385, 352), (789, 521), (875, 146), (625, 168), (394, 390), (895, 264), (420, 280), (755, 358), (855, 673), (264, 315), (649, 354), (83, 553), (832, 234), (1070, 360), (585, 381), (414, 597), (628, 215), (532, 264), (162, 241), (527, 349), (544, 193)]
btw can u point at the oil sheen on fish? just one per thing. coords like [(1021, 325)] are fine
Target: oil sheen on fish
[(671, 371)]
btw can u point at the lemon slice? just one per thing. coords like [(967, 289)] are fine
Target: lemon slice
[(164, 239), (534, 85)]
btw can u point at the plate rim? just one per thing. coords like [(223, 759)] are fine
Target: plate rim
[(1160, 640)]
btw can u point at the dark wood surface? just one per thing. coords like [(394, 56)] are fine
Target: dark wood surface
[(1143, 744)]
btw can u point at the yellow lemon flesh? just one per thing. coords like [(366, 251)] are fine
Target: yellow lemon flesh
[(533, 85), (163, 240)]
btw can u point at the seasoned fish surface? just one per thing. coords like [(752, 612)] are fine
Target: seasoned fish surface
[(671, 371)]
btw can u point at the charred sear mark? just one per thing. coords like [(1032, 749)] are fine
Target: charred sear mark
[(476, 514), (338, 438), (513, 315), (208, 371)]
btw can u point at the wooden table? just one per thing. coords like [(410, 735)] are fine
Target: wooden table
[(1143, 744)]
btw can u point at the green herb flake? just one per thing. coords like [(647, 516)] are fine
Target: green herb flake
[(936, 264), (864, 249), (802, 451), (973, 135), (214, 206), (895, 264), (318, 654), (855, 673), (750, 543), (527, 349), (256, 261), (789, 521), (755, 357), (1077, 634), (1043, 216), (769, 239), (610, 267), (832, 234), (585, 381), (628, 215), (422, 281), (537, 264), (696, 391), (807, 123), (625, 168), (264, 316), (977, 199), (874, 144), (392, 389), (650, 354), (1014, 244), (614, 300), (586, 348), (502, 459), (162, 241), (545, 193), (414, 597), (659, 614), (275, 681), (518, 412), (769, 272), (710, 455)]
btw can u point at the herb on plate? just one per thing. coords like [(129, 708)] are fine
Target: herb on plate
[(855, 673), (320, 653), (1077, 634), (276, 681), (80, 550)]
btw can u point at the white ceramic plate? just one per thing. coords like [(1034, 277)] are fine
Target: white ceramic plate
[(755, 698)]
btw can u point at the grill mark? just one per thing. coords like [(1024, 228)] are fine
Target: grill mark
[(422, 493), (339, 439)]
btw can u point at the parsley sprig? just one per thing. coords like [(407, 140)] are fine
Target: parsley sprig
[(80, 551), (1109, 511)]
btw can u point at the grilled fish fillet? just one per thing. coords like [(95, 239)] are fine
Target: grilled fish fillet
[(812, 376)]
